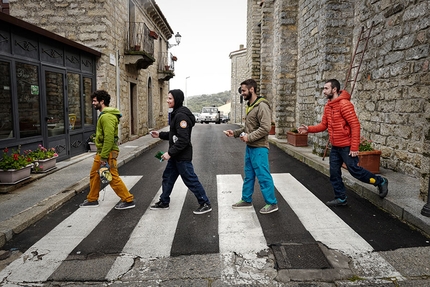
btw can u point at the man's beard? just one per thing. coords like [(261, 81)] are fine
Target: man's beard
[(247, 96), (329, 96)]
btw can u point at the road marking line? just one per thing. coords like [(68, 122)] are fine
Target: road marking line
[(154, 234), (325, 226), (44, 257)]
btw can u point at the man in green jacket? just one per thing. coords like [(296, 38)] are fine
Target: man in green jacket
[(106, 141), (255, 134)]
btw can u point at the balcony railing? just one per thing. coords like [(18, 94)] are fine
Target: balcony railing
[(138, 38)]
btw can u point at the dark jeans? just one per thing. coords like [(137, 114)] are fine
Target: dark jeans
[(339, 155), (186, 170)]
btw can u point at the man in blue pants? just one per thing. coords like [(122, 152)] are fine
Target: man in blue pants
[(255, 134), (179, 155)]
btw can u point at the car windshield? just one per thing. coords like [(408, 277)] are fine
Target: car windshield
[(209, 110)]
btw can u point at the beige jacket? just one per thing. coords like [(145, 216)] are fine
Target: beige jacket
[(258, 122)]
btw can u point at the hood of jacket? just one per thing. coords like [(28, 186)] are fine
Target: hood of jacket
[(344, 95), (113, 111), (178, 96), (187, 112)]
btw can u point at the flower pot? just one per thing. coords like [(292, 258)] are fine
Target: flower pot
[(272, 130), (297, 139), (370, 160), (44, 165), (92, 146), (137, 47), (12, 176)]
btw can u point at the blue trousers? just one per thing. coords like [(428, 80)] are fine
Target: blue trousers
[(339, 155), (185, 169), (257, 165)]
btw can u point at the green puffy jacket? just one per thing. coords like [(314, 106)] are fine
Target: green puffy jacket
[(107, 132)]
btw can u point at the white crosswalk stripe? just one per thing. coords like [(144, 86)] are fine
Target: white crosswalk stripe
[(57, 244), (239, 230)]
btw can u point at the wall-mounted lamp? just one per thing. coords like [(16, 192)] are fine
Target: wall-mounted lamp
[(178, 40)]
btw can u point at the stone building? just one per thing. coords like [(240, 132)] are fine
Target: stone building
[(293, 46), (129, 57), (239, 70)]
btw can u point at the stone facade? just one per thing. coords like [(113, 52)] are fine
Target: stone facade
[(103, 25), (295, 45), (239, 70)]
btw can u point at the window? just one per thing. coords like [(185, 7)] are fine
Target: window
[(27, 82), (88, 107), (74, 100), (6, 122)]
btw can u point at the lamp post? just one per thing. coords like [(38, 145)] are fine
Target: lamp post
[(178, 38), (186, 95)]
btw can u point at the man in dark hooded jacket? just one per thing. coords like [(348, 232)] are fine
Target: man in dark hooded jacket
[(180, 155)]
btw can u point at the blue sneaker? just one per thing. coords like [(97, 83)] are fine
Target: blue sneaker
[(383, 188), (337, 202)]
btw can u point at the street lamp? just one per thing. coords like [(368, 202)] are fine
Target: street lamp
[(186, 90), (178, 38)]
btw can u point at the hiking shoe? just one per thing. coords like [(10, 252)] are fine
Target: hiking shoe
[(242, 204), (125, 205), (159, 205), (87, 203), (383, 188), (203, 208), (269, 208), (337, 202)]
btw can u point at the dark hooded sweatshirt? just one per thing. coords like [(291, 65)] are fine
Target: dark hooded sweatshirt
[(182, 121)]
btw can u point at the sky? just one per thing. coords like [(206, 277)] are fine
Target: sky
[(210, 31)]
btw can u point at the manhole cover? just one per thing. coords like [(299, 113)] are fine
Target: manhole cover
[(299, 256)]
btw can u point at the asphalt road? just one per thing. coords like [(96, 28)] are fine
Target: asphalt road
[(214, 155)]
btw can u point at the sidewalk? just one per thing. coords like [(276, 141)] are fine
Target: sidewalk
[(25, 205)]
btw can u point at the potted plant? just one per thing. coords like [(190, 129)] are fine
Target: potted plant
[(44, 159), (91, 142), (296, 139), (14, 166), (174, 58), (368, 157), (272, 129), (153, 34)]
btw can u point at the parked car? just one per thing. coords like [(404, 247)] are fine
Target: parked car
[(197, 115)]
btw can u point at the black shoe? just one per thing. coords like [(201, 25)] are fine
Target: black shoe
[(159, 205), (337, 202), (383, 188), (203, 208), (87, 203), (125, 205)]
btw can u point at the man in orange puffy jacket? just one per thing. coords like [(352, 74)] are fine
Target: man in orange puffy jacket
[(344, 132)]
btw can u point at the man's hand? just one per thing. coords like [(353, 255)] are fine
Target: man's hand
[(229, 133), (302, 129), (165, 156), (353, 153), (154, 134), (244, 137)]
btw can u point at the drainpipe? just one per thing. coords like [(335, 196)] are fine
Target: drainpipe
[(118, 89), (426, 209)]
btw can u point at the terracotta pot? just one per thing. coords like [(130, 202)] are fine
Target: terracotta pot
[(297, 139), (12, 176), (272, 130), (370, 160)]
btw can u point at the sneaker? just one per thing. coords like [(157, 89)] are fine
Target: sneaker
[(125, 205), (203, 208), (269, 208), (337, 202), (242, 204), (383, 188), (87, 203), (159, 205)]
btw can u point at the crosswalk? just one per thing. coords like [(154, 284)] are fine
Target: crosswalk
[(239, 231)]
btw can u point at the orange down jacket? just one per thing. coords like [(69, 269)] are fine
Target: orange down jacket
[(341, 121)]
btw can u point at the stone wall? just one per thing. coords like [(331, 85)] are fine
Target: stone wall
[(239, 72), (101, 25), (392, 93)]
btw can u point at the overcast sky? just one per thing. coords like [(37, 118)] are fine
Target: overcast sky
[(210, 31)]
